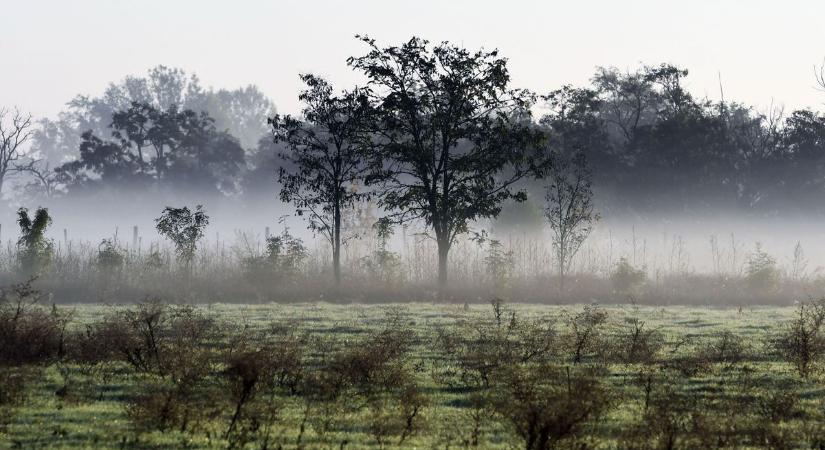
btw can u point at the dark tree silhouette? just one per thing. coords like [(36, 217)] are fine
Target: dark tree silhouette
[(177, 148), (14, 133), (184, 228), (452, 138), (325, 158), (34, 250), (569, 209)]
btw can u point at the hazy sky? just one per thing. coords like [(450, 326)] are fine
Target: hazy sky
[(52, 50)]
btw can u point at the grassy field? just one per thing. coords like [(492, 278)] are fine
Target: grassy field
[(712, 379)]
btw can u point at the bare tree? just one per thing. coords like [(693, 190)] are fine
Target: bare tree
[(569, 208), (44, 179), (15, 130)]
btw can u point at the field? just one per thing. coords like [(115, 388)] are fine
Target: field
[(429, 376)]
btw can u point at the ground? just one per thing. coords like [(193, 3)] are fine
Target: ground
[(49, 420)]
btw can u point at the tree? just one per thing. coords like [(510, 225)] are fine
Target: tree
[(241, 112), (14, 133), (184, 228), (172, 147), (34, 250), (452, 138), (325, 161), (569, 209)]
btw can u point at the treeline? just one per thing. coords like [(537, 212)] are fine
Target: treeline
[(654, 146), (650, 142), (437, 137)]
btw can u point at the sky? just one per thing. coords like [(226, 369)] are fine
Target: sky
[(763, 51)]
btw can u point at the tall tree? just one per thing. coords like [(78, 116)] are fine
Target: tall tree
[(453, 138), (325, 158), (15, 131), (569, 209)]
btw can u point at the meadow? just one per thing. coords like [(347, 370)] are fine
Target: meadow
[(320, 375)]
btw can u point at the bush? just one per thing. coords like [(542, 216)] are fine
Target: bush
[(34, 251), (546, 405), (584, 333), (726, 348), (626, 279), (28, 333), (761, 273), (637, 343), (803, 341)]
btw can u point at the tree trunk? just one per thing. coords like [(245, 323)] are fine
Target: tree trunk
[(443, 251), (336, 245)]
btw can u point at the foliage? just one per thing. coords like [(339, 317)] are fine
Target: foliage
[(803, 341), (761, 274), (626, 279), (452, 137), (184, 228), (34, 250), (324, 164)]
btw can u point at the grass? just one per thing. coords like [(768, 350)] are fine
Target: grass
[(98, 420)]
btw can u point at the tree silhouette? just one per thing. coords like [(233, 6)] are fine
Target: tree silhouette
[(34, 250), (14, 133), (184, 228), (569, 209), (452, 138), (325, 161)]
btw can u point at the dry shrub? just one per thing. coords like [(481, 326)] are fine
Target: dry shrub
[(474, 350), (249, 378), (175, 349), (375, 364), (548, 405), (803, 340), (725, 348), (669, 418), (29, 334), (636, 342), (584, 336), (396, 416)]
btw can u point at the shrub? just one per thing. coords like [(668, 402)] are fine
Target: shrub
[(637, 343), (28, 333), (34, 250), (476, 350), (247, 375), (283, 259), (626, 279), (110, 257), (584, 333), (802, 342), (546, 405), (726, 348), (761, 273)]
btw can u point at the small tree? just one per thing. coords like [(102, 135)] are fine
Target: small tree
[(325, 162), (626, 279), (803, 341), (761, 274), (569, 209), (34, 250), (184, 228)]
